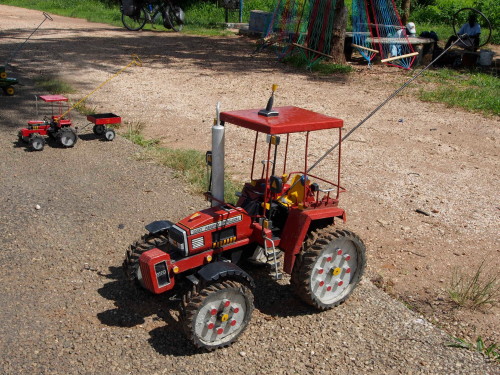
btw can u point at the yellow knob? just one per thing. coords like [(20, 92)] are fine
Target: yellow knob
[(224, 317), (275, 87)]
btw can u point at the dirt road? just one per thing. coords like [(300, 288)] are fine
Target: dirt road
[(64, 305)]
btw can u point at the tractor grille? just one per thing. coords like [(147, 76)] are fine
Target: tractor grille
[(177, 238)]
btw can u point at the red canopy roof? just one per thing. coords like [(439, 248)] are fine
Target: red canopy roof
[(53, 98), (290, 120)]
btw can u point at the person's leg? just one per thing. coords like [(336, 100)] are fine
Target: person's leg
[(451, 40)]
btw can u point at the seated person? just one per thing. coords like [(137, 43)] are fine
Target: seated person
[(408, 31), (471, 30)]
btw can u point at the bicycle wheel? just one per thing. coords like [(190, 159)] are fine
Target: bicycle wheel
[(136, 22), (173, 18), (462, 17)]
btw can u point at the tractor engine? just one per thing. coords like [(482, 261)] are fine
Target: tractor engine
[(192, 243)]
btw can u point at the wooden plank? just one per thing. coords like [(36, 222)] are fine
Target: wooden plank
[(366, 48), (399, 57), (311, 50)]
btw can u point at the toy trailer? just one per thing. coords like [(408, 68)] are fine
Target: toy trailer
[(56, 127), (100, 120), (279, 210)]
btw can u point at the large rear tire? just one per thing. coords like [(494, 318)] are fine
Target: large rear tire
[(136, 22), (215, 316), (174, 18), (67, 137), (329, 267), (131, 261)]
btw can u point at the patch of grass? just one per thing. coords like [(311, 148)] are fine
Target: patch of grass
[(84, 109), (476, 290), (187, 164), (54, 85), (490, 351), (325, 68), (473, 91), (134, 134)]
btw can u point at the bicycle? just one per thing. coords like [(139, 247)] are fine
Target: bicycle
[(135, 14)]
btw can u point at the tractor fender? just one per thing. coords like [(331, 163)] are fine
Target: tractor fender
[(224, 270), (158, 226)]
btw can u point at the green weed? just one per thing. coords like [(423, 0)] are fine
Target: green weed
[(473, 91), (187, 164), (324, 68), (480, 289), (490, 351), (53, 85)]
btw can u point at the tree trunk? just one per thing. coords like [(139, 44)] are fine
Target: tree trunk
[(338, 33), (406, 11)]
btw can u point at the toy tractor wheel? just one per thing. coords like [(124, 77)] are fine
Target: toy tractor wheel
[(67, 137), (131, 262), (21, 137), (215, 316), (329, 267), (36, 142), (9, 90), (99, 129), (109, 135)]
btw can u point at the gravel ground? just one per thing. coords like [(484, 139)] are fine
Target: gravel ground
[(64, 305)]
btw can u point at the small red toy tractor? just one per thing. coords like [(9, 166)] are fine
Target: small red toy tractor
[(198, 258), (56, 127), (60, 128)]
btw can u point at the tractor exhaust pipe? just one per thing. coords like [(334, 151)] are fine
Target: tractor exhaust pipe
[(217, 187)]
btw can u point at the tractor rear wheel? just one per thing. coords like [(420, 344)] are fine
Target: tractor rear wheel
[(216, 315), (67, 137), (99, 129), (9, 91), (329, 267), (36, 142), (131, 261)]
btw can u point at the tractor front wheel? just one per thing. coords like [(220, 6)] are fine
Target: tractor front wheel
[(131, 262), (67, 137), (215, 316), (329, 267), (36, 142)]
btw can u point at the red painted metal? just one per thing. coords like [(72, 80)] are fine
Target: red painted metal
[(147, 262), (104, 118), (290, 120), (296, 228), (53, 98)]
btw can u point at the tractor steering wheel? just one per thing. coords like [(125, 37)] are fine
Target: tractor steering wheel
[(461, 17)]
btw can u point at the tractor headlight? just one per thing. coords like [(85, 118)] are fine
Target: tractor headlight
[(178, 239)]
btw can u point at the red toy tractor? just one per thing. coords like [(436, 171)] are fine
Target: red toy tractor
[(56, 127), (294, 212)]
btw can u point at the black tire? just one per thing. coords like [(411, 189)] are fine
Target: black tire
[(109, 135), (21, 138), (134, 23), (216, 315), (9, 90), (67, 137), (131, 262), (329, 267), (173, 18), (36, 142), (99, 129)]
